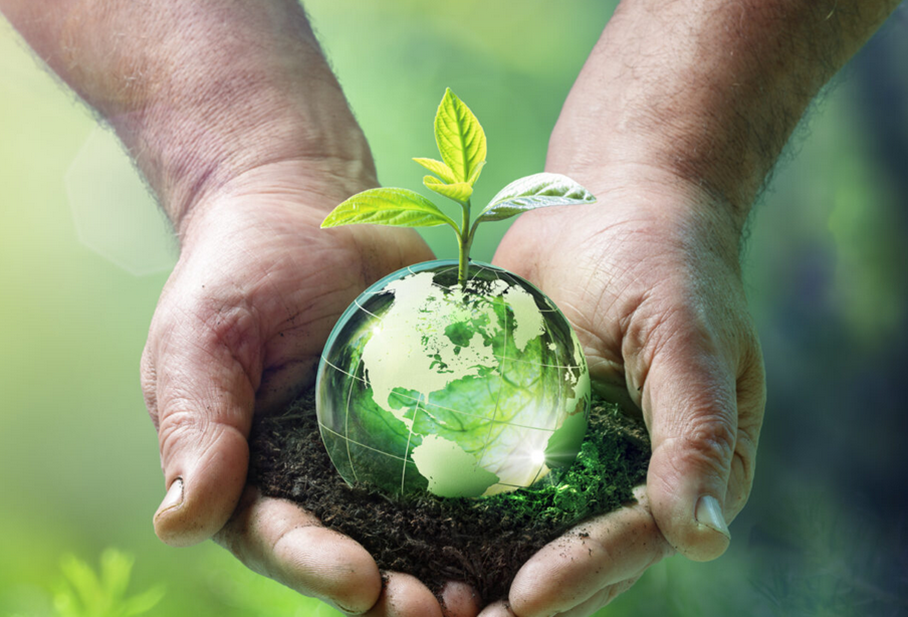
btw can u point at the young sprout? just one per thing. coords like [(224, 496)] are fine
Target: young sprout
[(462, 145)]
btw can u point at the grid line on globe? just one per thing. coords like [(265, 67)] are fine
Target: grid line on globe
[(502, 358), (415, 358)]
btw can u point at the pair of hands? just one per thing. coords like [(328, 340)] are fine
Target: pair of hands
[(673, 96), (649, 277)]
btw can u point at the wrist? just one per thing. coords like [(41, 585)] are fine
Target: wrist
[(190, 148), (192, 167), (227, 87), (646, 99), (705, 90)]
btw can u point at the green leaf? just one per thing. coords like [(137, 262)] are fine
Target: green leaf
[(388, 206), (459, 191), (536, 191), (439, 169), (460, 138), (143, 602), (116, 568), (84, 588), (85, 593)]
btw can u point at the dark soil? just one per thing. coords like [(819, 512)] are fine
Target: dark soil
[(482, 542)]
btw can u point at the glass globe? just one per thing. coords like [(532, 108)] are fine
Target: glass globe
[(461, 392)]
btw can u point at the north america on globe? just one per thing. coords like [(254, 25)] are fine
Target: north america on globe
[(459, 390)]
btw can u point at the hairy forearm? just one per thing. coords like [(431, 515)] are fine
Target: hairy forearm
[(200, 91), (706, 90)]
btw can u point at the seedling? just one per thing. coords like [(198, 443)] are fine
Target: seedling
[(459, 379), (462, 145)]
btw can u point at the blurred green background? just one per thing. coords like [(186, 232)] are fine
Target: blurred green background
[(84, 255)]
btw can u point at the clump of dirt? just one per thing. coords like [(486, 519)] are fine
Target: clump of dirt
[(482, 542)]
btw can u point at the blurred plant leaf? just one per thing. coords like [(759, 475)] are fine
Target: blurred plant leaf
[(85, 593), (115, 570), (143, 602)]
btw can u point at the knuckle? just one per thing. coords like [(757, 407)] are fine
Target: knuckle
[(231, 330), (177, 427), (673, 342), (667, 326), (228, 325), (710, 439), (643, 330), (211, 320)]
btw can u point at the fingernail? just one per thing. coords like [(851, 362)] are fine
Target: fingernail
[(709, 513), (173, 499)]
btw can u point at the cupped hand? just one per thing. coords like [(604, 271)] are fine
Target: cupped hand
[(239, 330), (650, 278)]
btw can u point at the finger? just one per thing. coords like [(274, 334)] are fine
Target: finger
[(599, 599), (405, 596), (285, 543), (459, 600), (498, 609), (605, 551), (690, 401), (202, 402)]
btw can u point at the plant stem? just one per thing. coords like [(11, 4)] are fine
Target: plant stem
[(466, 239)]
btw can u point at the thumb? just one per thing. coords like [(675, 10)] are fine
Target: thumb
[(690, 401), (202, 400)]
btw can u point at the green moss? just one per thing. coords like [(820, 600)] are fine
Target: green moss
[(612, 461)]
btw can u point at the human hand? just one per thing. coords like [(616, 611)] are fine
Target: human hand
[(650, 278), (239, 330)]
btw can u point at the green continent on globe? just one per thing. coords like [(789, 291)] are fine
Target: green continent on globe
[(425, 385)]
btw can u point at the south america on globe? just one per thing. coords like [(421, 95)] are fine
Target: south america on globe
[(461, 391), (455, 378)]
